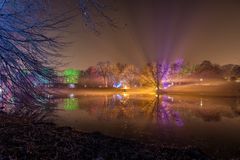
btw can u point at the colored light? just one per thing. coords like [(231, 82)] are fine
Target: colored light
[(71, 76), (125, 87), (71, 104), (119, 97), (125, 94), (71, 95), (201, 102), (117, 85), (71, 85)]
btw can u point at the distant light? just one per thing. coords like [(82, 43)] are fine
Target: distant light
[(49, 95), (71, 95), (71, 85), (117, 84), (201, 79), (1, 90), (125, 87), (85, 86)]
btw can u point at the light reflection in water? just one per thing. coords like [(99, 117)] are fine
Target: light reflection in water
[(123, 106), (71, 104), (160, 117), (165, 113), (201, 102), (160, 109)]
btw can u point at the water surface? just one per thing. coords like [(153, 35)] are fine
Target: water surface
[(210, 123)]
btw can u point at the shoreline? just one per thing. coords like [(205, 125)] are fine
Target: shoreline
[(48, 141), (225, 90)]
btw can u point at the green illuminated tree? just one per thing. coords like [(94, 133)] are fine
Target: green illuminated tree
[(71, 76)]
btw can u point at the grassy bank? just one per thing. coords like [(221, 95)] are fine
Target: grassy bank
[(200, 89), (207, 89)]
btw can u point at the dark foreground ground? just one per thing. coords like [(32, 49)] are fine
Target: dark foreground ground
[(47, 141)]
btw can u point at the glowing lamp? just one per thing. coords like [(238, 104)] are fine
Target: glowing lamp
[(117, 84), (71, 95), (71, 85), (125, 87)]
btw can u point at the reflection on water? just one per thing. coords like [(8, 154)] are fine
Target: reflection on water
[(199, 120), (71, 104), (166, 114), (162, 109)]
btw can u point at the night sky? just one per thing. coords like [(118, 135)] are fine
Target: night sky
[(165, 30)]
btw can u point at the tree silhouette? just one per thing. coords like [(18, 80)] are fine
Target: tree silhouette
[(29, 44), (155, 73)]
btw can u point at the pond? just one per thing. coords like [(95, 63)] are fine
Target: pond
[(210, 123)]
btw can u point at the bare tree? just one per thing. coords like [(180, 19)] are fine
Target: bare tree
[(155, 73), (104, 70), (29, 44), (130, 74)]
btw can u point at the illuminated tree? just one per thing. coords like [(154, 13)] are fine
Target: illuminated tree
[(24, 51), (130, 74), (159, 74), (155, 74), (104, 70), (116, 72), (29, 41), (71, 76)]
